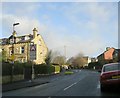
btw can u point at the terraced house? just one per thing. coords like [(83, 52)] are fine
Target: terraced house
[(24, 48)]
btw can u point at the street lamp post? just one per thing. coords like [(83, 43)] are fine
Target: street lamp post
[(13, 41), (32, 58)]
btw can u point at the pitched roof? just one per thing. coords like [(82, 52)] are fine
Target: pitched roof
[(24, 41), (115, 51), (5, 40)]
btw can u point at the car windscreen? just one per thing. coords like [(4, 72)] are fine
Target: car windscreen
[(111, 67)]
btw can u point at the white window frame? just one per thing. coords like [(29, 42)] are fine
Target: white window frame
[(22, 49)]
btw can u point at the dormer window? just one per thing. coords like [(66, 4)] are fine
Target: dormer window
[(22, 38), (11, 40), (26, 37)]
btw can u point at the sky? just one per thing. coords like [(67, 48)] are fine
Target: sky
[(81, 27)]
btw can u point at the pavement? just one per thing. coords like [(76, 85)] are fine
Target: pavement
[(29, 83), (23, 84), (42, 79)]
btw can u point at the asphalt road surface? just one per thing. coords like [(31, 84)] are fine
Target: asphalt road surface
[(81, 83)]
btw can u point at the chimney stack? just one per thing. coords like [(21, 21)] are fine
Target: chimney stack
[(107, 48), (35, 33)]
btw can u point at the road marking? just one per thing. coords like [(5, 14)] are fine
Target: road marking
[(39, 85), (98, 86), (70, 86)]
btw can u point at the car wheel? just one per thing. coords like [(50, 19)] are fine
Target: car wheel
[(102, 88)]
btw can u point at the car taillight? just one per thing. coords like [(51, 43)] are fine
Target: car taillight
[(102, 77)]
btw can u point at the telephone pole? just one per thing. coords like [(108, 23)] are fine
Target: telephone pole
[(65, 51)]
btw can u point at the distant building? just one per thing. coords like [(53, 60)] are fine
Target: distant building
[(94, 59), (87, 60), (18, 48), (110, 55)]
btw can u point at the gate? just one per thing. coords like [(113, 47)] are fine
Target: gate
[(28, 73)]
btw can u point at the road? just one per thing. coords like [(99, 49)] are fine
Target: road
[(81, 83)]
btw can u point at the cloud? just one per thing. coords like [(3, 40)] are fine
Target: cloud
[(89, 24), (61, 1), (25, 27)]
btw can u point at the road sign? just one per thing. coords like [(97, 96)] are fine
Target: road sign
[(12, 57), (32, 48), (32, 52)]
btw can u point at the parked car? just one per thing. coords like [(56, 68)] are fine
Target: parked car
[(110, 76)]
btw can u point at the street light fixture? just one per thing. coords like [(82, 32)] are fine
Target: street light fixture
[(15, 25)]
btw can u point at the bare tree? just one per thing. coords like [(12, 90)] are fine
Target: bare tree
[(48, 57), (79, 60), (70, 60), (59, 60)]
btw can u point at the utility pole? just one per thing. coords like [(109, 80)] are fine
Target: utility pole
[(65, 51)]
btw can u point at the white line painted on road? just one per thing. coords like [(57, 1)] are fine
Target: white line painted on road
[(39, 86), (98, 86), (70, 86)]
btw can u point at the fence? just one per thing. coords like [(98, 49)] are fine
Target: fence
[(21, 71)]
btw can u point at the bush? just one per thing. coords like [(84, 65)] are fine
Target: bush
[(44, 69), (51, 69), (68, 72), (97, 65)]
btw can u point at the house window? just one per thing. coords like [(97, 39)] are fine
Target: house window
[(11, 52), (26, 37), (39, 42), (22, 38), (22, 49), (17, 50), (11, 41), (116, 54)]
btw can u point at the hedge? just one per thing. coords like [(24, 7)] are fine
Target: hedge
[(18, 68), (97, 65), (43, 69), (6, 69)]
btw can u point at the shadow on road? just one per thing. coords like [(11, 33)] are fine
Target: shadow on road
[(111, 92)]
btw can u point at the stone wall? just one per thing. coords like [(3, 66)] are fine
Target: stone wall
[(7, 79)]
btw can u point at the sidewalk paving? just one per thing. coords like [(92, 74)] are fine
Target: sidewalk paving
[(24, 84), (27, 83)]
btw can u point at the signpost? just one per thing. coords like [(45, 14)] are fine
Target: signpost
[(32, 56), (32, 52)]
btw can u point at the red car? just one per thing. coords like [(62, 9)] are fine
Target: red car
[(110, 75)]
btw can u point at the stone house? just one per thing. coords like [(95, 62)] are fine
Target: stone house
[(18, 48)]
